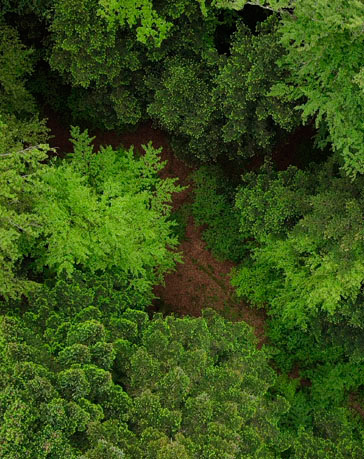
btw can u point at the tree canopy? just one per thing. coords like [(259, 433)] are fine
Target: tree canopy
[(262, 101)]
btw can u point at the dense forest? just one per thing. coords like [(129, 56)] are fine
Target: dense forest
[(181, 229)]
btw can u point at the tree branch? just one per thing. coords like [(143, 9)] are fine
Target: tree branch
[(20, 151), (289, 10), (261, 6)]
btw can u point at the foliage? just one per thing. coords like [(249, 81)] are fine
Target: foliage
[(251, 116), (75, 24), (184, 381), (56, 399), (26, 7), (324, 56), (97, 50), (87, 53), (99, 213), (214, 206), (19, 222), (181, 217), (106, 211), (152, 27), (308, 228), (273, 5), (16, 62), (304, 263), (22, 150), (184, 108), (189, 379), (220, 106), (83, 239)]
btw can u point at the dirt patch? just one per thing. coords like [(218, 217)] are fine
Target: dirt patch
[(201, 281), (59, 133), (295, 374), (355, 405)]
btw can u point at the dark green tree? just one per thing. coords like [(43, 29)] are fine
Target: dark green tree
[(220, 106), (251, 116), (86, 382)]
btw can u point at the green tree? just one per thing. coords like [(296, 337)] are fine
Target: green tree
[(251, 116), (107, 212), (213, 206), (203, 383), (86, 381), (324, 56), (152, 26), (182, 104), (104, 213), (323, 43), (16, 62), (219, 106), (308, 232), (87, 53), (22, 150), (35, 420), (106, 50), (19, 222), (59, 396)]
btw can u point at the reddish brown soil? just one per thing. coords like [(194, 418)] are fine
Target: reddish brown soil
[(59, 134), (355, 405), (286, 153), (295, 374), (200, 281)]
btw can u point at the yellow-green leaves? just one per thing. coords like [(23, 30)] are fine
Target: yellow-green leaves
[(106, 211), (151, 27)]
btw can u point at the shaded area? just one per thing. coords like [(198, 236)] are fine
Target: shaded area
[(252, 15), (295, 374), (295, 149), (356, 404)]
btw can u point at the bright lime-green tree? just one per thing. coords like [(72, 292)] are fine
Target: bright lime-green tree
[(106, 211), (98, 213), (324, 56)]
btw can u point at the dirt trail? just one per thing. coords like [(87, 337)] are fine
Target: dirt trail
[(201, 281)]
